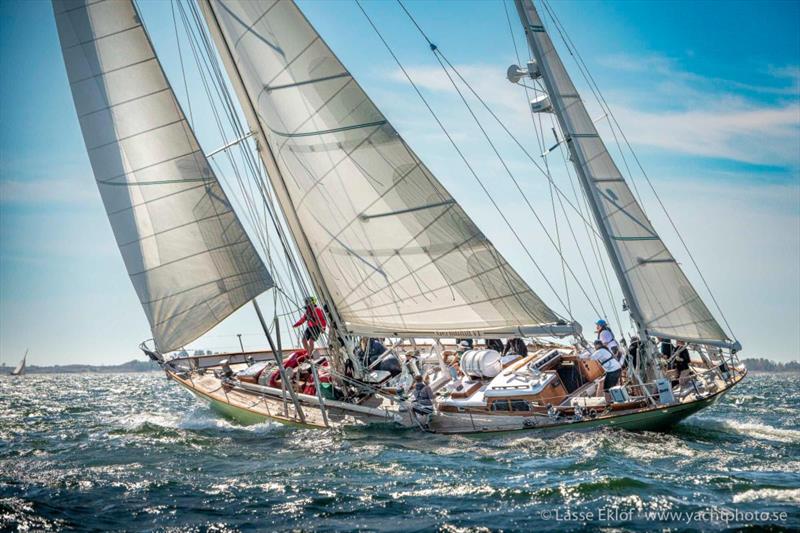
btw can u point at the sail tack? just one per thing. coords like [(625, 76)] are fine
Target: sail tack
[(665, 300), (396, 253), (187, 254)]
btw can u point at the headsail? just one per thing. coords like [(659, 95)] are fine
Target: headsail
[(393, 250), (187, 254), (658, 291)]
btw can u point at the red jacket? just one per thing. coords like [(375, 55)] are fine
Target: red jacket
[(318, 322)]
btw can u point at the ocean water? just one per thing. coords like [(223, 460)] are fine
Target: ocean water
[(134, 452)]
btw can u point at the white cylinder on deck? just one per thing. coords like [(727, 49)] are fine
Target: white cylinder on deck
[(481, 363)]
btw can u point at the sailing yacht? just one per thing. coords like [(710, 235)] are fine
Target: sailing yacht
[(20, 368), (357, 220)]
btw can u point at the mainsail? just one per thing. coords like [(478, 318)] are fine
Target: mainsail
[(660, 295), (388, 246), (187, 254)]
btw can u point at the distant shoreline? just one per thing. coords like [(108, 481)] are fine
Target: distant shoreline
[(129, 367)]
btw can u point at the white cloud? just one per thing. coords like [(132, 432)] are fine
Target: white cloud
[(676, 111), (752, 134)]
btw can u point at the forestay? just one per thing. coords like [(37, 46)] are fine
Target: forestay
[(189, 259), (668, 304), (395, 252)]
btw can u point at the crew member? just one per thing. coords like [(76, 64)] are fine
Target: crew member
[(606, 336), (517, 346), (633, 351), (314, 318), (681, 360), (494, 344), (608, 362), (423, 396)]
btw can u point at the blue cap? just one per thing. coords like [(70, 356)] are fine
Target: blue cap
[(601, 322)]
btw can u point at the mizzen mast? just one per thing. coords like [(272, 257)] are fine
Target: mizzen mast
[(661, 300)]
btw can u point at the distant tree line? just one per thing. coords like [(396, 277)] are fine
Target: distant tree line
[(765, 365)]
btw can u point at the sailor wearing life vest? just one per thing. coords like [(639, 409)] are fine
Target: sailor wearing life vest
[(314, 318), (607, 361), (606, 336)]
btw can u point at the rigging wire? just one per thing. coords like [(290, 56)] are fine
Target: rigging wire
[(594, 243), (442, 60), (461, 155), (208, 68), (540, 141), (180, 57), (601, 99)]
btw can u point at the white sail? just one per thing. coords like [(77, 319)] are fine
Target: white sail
[(383, 238), (658, 290), (187, 254), (20, 369)]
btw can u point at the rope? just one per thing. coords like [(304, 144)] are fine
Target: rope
[(212, 78), (442, 60)]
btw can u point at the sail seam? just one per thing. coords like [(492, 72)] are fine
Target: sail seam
[(172, 295), (255, 22), (101, 37), (205, 302), (128, 101), (473, 302), (497, 266), (109, 71), (89, 4), (120, 140), (206, 251), (107, 181), (173, 228), (249, 29)]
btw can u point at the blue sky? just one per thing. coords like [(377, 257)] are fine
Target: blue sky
[(708, 92)]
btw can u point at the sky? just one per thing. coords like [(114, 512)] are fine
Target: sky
[(708, 93)]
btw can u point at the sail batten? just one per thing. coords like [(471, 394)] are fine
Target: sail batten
[(376, 228), (185, 250), (661, 298)]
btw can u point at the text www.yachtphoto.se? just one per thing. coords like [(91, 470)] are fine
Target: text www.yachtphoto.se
[(618, 514)]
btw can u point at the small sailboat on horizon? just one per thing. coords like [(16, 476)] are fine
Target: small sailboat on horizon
[(344, 210), (20, 368)]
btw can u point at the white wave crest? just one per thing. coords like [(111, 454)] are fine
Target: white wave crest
[(199, 418), (773, 495), (763, 431)]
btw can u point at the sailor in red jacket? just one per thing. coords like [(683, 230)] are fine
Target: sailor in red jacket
[(314, 318)]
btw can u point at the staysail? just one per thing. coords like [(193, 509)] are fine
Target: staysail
[(187, 254), (658, 292), (390, 247)]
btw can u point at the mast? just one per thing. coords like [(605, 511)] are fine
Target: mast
[(533, 24), (273, 170), (660, 298)]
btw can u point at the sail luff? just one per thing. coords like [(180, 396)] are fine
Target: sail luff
[(394, 249), (658, 293), (268, 158), (187, 254)]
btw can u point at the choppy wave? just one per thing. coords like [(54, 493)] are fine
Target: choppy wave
[(770, 495), (133, 452)]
